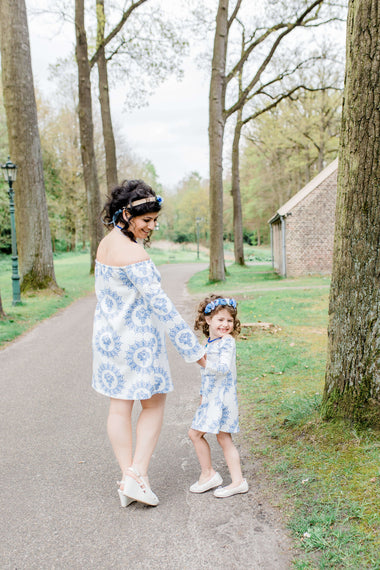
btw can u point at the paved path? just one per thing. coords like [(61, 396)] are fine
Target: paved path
[(59, 502)]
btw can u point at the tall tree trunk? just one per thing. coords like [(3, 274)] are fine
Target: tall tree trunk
[(352, 388), (217, 122), (32, 222), (105, 107), (86, 129), (235, 191), (2, 313)]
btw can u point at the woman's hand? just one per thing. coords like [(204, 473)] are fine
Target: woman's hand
[(202, 361)]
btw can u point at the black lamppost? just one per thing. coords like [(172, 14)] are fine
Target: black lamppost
[(10, 172), (198, 221)]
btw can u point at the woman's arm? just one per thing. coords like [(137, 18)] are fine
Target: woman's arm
[(145, 278)]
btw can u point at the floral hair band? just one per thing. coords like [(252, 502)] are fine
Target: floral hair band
[(136, 203), (145, 200), (219, 302)]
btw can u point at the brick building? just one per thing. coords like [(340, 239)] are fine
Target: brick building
[(302, 230)]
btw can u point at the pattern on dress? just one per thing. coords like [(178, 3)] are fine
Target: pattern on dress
[(107, 342), (219, 408), (109, 379), (110, 303), (131, 318)]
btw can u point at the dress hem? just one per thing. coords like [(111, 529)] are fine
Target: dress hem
[(214, 432), (117, 397)]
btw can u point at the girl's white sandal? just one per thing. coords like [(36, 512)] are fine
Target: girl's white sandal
[(138, 490), (224, 492), (210, 484)]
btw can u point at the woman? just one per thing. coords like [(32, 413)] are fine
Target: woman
[(132, 313)]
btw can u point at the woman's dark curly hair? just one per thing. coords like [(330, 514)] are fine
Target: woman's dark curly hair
[(121, 199), (200, 321)]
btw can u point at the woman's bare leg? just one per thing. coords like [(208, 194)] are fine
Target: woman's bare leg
[(148, 430), (119, 428)]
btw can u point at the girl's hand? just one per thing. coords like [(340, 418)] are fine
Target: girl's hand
[(202, 361)]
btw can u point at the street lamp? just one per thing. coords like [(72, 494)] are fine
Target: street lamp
[(198, 221), (9, 171)]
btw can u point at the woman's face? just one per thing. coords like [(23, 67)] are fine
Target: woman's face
[(142, 226)]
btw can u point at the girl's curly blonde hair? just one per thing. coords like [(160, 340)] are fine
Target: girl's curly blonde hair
[(200, 321)]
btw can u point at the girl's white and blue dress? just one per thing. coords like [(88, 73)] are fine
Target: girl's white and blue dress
[(219, 408), (132, 314)]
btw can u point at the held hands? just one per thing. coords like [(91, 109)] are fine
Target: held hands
[(202, 361)]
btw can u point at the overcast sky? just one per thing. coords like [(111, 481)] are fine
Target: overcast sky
[(171, 131)]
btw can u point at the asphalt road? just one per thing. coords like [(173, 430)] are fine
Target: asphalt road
[(59, 502)]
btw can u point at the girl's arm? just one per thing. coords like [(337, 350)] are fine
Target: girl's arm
[(145, 278), (220, 363)]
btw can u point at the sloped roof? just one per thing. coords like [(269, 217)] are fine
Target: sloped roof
[(305, 191)]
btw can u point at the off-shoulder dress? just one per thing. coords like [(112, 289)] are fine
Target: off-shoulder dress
[(132, 314)]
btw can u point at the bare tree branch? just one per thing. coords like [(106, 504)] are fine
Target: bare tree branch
[(115, 31), (234, 13), (287, 95), (283, 75), (249, 50), (300, 21)]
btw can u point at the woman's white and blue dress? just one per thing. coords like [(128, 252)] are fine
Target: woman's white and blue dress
[(132, 315), (219, 408)]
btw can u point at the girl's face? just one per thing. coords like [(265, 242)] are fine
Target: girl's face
[(220, 323), (142, 226)]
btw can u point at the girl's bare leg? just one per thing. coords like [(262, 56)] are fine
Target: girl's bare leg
[(148, 431), (202, 449), (119, 428), (232, 457)]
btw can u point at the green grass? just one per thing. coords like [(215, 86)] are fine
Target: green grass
[(72, 274), (325, 477), (182, 255), (255, 253), (328, 473), (248, 279)]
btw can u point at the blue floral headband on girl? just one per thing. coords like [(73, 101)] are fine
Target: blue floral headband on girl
[(136, 203), (219, 302)]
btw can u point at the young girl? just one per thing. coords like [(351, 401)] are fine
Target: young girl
[(218, 410)]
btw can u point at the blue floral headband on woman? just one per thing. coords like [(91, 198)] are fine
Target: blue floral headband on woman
[(223, 302), (136, 203)]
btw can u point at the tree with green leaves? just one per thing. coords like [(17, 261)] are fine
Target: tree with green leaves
[(86, 129), (283, 150), (153, 45), (100, 59), (260, 47), (352, 387), (141, 47), (33, 232)]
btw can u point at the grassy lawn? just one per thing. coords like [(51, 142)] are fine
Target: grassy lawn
[(72, 274), (325, 477), (247, 280), (181, 255)]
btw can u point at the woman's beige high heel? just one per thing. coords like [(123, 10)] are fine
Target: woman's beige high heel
[(139, 490)]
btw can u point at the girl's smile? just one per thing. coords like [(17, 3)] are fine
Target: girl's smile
[(220, 324)]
